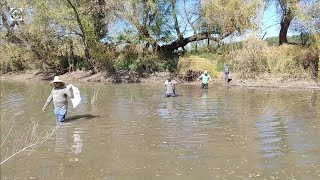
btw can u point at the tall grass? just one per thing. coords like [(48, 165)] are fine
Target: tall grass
[(289, 61), (190, 67)]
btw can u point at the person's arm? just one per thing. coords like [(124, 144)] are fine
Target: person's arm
[(165, 83), (210, 79), (200, 77), (49, 99), (69, 91), (175, 82), (178, 81)]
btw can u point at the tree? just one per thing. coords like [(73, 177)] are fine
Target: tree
[(51, 25), (288, 9), (233, 16), (221, 19), (8, 24), (309, 16), (193, 16), (155, 20)]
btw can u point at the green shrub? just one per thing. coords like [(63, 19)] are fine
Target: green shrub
[(15, 58)]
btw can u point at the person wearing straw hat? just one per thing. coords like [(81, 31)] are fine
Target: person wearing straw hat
[(205, 78), (59, 95)]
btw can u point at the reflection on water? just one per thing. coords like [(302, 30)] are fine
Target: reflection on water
[(273, 136), (78, 142), (224, 132), (63, 137), (61, 145)]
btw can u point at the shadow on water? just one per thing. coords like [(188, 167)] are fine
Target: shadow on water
[(84, 116)]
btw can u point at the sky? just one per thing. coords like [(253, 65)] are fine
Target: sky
[(270, 23)]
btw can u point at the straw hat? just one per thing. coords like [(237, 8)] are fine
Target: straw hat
[(205, 72), (56, 79)]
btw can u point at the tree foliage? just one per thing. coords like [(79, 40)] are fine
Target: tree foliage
[(232, 15), (63, 35)]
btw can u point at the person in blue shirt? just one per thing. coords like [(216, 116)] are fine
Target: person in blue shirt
[(205, 78)]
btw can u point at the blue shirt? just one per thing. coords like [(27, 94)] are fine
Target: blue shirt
[(205, 78)]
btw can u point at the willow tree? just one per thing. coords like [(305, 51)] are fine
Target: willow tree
[(232, 16), (161, 23), (149, 21)]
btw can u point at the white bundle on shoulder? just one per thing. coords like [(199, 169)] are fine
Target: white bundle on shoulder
[(76, 95)]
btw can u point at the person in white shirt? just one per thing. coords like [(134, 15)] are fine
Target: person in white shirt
[(170, 83)]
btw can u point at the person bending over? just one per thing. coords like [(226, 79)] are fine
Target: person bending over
[(170, 84)]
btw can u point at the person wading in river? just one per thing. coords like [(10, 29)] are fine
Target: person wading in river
[(205, 78), (226, 70), (59, 95), (171, 90)]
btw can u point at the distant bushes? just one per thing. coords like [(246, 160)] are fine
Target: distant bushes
[(134, 58), (15, 58), (103, 58), (256, 57), (249, 59), (107, 58)]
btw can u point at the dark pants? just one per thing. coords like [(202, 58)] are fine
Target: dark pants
[(204, 86), (226, 77), (170, 95)]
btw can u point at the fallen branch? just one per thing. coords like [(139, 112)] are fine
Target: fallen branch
[(29, 140)]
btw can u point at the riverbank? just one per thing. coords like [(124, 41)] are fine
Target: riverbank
[(156, 78)]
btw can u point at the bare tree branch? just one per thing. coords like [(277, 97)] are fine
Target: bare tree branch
[(7, 135), (20, 145)]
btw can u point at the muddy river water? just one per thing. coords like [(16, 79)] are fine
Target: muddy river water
[(131, 131)]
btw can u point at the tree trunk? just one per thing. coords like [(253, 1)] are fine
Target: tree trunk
[(71, 59), (83, 35), (285, 23)]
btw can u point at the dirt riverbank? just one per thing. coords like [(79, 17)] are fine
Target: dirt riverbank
[(84, 76)]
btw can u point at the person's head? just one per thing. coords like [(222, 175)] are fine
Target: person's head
[(205, 72), (169, 79), (57, 82)]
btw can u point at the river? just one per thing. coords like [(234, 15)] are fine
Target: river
[(131, 131)]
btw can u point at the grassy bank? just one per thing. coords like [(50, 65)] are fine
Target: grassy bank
[(255, 59), (251, 60)]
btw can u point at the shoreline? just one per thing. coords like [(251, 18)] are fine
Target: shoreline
[(159, 78)]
